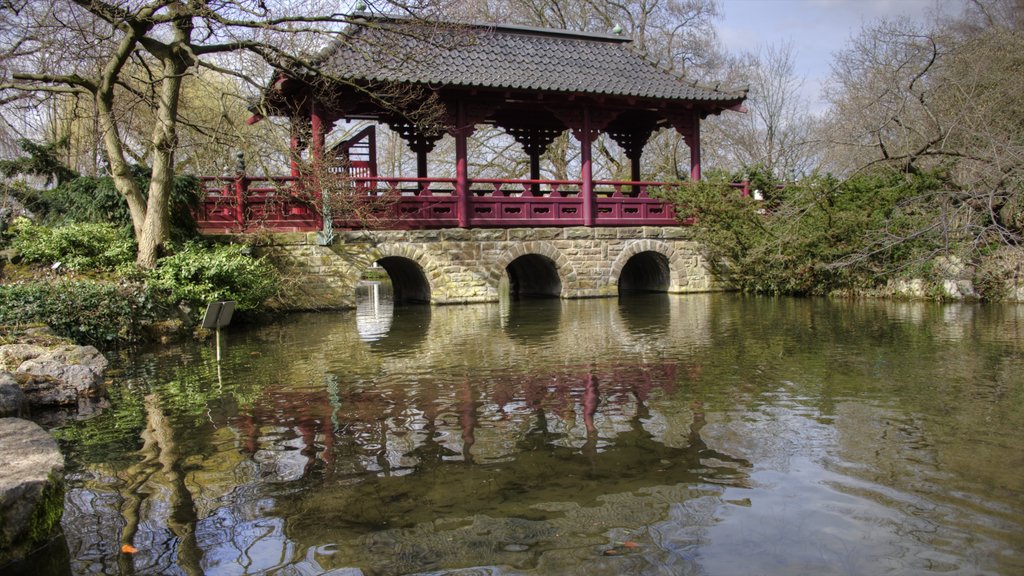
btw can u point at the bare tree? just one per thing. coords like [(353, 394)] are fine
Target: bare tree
[(133, 61), (945, 100), (775, 135)]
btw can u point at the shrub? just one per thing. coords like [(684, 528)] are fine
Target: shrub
[(90, 199), (817, 235), (198, 273), (78, 247), (97, 313)]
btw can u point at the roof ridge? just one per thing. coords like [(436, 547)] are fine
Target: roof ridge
[(360, 18)]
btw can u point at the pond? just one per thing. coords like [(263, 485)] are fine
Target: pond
[(657, 434)]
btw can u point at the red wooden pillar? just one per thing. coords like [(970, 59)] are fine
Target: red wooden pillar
[(319, 133), (421, 162), (535, 172), (586, 138), (694, 143), (462, 191), (688, 125), (241, 190), (295, 146)]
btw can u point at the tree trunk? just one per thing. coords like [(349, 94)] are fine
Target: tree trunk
[(164, 141), (119, 170)]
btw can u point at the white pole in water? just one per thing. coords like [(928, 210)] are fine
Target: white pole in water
[(218, 315)]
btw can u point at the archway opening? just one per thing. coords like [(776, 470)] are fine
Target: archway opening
[(645, 272), (533, 276), (408, 282)]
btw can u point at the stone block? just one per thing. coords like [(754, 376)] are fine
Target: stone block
[(675, 233), (533, 234), (290, 239), (488, 235), (578, 233), (456, 234)]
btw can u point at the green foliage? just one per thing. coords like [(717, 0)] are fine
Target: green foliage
[(40, 160), (198, 273), (78, 247), (89, 199), (817, 235), (97, 313)]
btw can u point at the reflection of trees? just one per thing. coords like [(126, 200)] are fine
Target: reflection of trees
[(159, 476)]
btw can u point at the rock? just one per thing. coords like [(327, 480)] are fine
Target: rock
[(13, 355), (31, 488), (59, 376), (13, 401)]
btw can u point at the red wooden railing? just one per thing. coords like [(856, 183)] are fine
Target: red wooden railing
[(245, 203)]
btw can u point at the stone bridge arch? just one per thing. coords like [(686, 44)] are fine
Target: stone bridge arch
[(462, 266), (415, 274), (663, 254), (567, 276)]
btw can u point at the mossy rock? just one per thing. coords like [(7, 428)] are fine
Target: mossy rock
[(31, 489)]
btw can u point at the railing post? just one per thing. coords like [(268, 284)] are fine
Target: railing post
[(746, 187), (241, 188)]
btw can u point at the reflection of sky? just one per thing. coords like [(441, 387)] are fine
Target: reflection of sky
[(374, 311)]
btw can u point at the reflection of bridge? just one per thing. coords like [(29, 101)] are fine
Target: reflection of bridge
[(355, 436)]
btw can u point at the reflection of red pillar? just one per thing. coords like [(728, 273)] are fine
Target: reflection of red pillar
[(468, 421), (591, 399), (249, 431)]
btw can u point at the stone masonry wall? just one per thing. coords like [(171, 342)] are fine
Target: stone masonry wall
[(467, 265)]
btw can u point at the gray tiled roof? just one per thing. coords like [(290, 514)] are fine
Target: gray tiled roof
[(507, 57)]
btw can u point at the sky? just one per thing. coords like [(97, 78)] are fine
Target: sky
[(816, 29)]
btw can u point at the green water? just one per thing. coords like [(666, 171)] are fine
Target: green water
[(704, 434)]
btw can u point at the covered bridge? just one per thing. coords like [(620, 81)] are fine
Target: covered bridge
[(427, 79)]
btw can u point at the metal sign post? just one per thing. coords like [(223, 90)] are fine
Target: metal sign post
[(218, 315)]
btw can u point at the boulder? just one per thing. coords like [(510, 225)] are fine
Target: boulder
[(13, 355), (13, 401), (58, 376), (31, 488)]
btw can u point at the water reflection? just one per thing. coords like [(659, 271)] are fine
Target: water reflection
[(390, 329), (530, 320), (646, 313), (375, 309), (674, 435)]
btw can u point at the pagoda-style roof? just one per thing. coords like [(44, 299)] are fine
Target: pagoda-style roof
[(538, 60), (390, 59)]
